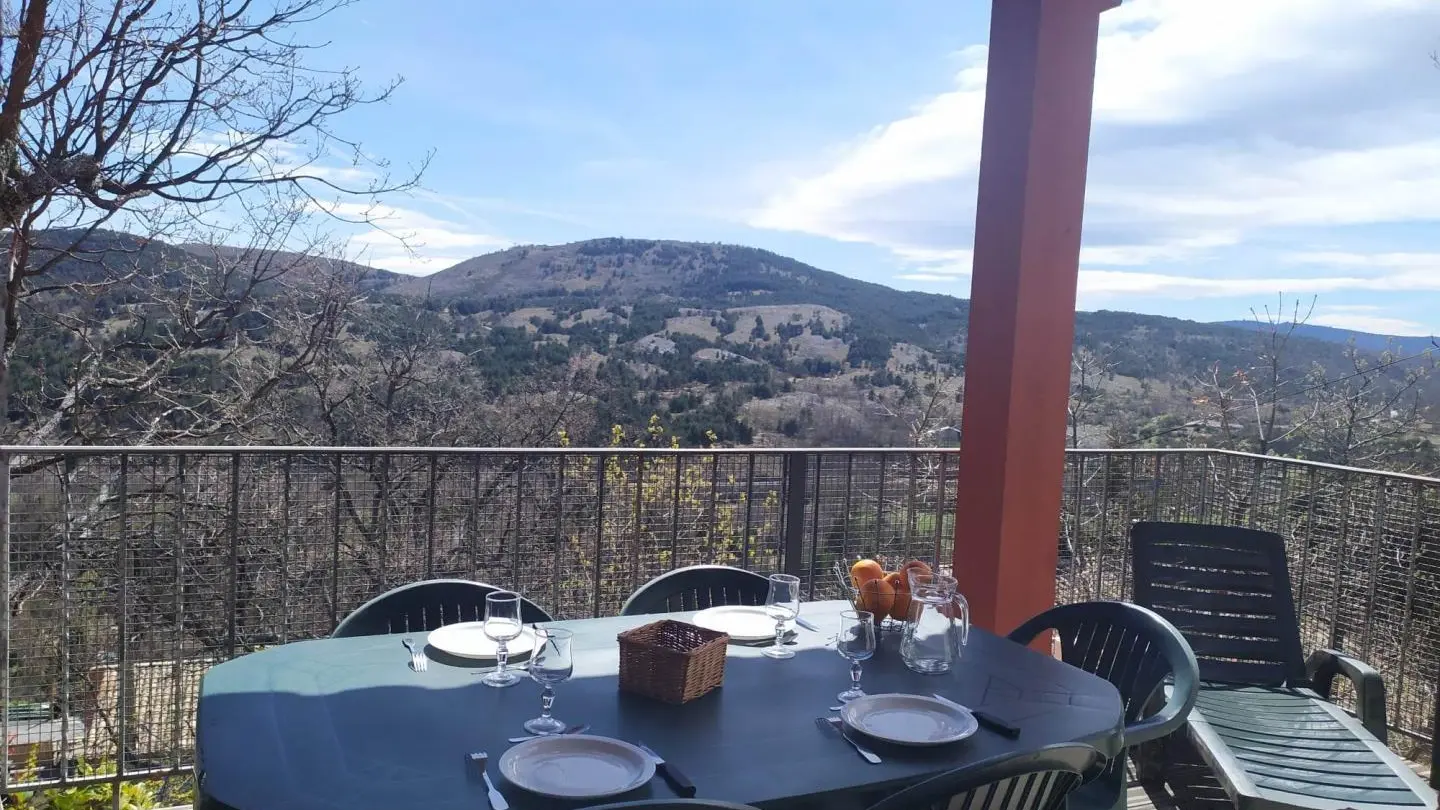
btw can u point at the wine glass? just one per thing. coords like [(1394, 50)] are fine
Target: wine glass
[(502, 625), (551, 663), (782, 604), (857, 643)]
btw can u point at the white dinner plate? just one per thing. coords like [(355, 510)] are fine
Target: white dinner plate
[(740, 622), (576, 766), (909, 719), (468, 640)]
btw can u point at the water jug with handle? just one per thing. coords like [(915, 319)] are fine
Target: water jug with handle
[(938, 625)]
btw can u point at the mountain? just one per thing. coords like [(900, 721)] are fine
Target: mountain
[(748, 344), (367, 278), (1404, 345), (669, 276), (692, 274)]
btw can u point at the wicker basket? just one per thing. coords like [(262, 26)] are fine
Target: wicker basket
[(671, 661)]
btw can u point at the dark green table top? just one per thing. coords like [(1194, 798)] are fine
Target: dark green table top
[(344, 723)]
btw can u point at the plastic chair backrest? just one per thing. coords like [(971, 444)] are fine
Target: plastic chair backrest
[(1038, 780), (422, 606), (696, 588), (1227, 590), (1136, 651)]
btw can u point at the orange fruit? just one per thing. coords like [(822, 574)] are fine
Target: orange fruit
[(900, 610), (916, 564), (865, 571), (877, 596)]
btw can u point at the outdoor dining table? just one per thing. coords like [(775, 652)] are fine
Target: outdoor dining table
[(345, 723)]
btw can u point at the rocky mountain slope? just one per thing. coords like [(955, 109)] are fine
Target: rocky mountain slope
[(743, 342)]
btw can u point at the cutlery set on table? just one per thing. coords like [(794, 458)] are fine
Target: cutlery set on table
[(907, 720), (675, 662), (553, 760), (580, 766)]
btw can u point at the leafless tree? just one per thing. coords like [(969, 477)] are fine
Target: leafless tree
[(393, 380), (1218, 403), (1368, 416), (1269, 386), (1089, 369), (931, 417), (198, 123), (161, 344), (157, 118)]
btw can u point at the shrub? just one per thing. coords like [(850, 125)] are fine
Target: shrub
[(143, 795)]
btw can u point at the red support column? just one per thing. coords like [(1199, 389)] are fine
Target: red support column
[(1033, 157)]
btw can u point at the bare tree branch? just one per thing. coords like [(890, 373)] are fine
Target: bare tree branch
[(171, 119)]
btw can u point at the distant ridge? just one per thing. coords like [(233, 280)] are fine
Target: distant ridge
[(1369, 341)]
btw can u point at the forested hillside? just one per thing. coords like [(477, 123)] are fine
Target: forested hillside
[(143, 341)]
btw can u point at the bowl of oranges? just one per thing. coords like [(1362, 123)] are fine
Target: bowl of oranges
[(872, 588)]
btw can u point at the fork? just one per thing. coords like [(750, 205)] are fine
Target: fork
[(497, 801), (418, 661), (827, 724)]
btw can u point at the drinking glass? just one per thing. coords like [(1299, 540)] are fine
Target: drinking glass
[(782, 604), (857, 643), (502, 625), (550, 664)]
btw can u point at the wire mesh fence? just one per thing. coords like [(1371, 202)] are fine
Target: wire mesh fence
[(1363, 549), (128, 572)]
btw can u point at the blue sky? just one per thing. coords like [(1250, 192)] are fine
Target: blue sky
[(1240, 149)]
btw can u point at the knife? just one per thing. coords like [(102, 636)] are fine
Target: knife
[(985, 719), (679, 781), (807, 625)]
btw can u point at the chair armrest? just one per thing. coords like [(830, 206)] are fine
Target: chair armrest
[(1171, 716), (1164, 639), (1322, 667), (1184, 687)]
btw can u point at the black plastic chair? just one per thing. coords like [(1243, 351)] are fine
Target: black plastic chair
[(696, 588), (1039, 780), (1136, 651), (674, 804), (1263, 720), (422, 606)]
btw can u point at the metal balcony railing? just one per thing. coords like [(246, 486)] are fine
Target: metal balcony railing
[(1363, 547), (128, 571)]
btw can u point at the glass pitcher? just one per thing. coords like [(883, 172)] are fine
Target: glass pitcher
[(938, 625)]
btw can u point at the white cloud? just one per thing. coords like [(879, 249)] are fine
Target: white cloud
[(1115, 282), (1368, 318), (1403, 261), (1219, 125), (1098, 286), (1146, 254), (1378, 324), (939, 140), (1352, 308), (1163, 285), (925, 264), (1173, 61), (352, 170), (407, 240)]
